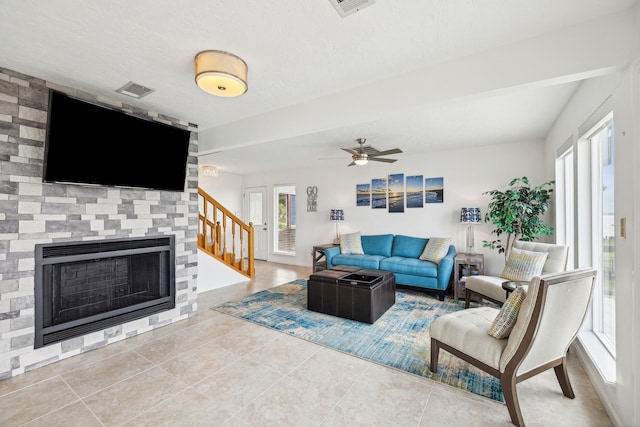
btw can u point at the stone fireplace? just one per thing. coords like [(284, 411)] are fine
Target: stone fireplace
[(82, 287), (33, 213)]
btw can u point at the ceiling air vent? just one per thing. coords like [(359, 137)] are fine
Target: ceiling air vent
[(348, 7), (134, 90)]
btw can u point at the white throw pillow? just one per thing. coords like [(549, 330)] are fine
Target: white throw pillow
[(436, 249), (351, 244), (523, 265)]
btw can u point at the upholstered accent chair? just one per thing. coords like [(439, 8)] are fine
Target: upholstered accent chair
[(547, 322), (490, 287)]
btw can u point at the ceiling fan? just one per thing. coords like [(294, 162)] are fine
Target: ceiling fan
[(361, 155)]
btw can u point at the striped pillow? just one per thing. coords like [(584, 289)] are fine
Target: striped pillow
[(436, 249), (351, 244), (523, 265), (508, 314)]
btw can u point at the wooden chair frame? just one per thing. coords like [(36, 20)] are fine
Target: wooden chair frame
[(509, 378)]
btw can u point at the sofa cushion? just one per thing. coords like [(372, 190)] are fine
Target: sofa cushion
[(351, 244), (412, 266), (407, 246), (523, 265), (436, 249), (364, 261), (377, 244)]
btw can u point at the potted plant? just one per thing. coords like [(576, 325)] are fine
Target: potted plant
[(517, 213)]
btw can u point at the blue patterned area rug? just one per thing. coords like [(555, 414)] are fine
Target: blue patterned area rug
[(399, 339)]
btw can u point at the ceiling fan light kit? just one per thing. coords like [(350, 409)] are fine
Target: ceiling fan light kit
[(362, 155)]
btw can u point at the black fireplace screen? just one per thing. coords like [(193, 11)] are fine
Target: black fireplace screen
[(84, 287)]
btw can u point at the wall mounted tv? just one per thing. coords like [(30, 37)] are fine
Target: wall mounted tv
[(90, 144)]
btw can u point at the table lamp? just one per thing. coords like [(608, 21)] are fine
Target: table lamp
[(470, 216), (337, 215)]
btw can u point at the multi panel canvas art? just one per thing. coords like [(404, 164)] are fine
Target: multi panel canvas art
[(413, 192)]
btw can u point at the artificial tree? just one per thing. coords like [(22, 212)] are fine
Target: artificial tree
[(517, 213)]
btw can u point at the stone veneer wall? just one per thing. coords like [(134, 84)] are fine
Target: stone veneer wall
[(35, 212)]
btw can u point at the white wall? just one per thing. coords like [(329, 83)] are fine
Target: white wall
[(226, 188), (622, 396), (467, 174)]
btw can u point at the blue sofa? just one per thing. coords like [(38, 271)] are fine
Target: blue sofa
[(400, 255)]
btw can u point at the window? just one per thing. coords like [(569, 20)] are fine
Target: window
[(585, 220), (285, 239), (604, 308)]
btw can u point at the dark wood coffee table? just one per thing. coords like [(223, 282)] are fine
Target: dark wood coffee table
[(357, 294)]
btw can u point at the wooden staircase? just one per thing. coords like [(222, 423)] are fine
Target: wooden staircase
[(224, 236)]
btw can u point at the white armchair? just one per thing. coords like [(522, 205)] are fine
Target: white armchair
[(490, 287), (548, 320)]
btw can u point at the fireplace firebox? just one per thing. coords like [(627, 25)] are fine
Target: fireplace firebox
[(82, 287)]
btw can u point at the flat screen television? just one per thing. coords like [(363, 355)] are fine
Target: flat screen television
[(90, 144)]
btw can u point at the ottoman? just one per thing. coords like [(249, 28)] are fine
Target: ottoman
[(362, 295)]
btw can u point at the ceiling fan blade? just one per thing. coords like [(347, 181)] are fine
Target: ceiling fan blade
[(352, 164), (387, 152), (375, 159), (350, 151)]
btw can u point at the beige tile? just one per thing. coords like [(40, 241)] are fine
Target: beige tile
[(94, 377), (168, 346), (331, 370), (378, 393), (84, 359), (24, 380), (34, 401), (235, 386), (199, 363), (290, 402), (187, 408), (448, 406), (247, 338), (127, 399), (74, 415), (284, 353)]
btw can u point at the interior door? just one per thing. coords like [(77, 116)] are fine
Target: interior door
[(256, 207)]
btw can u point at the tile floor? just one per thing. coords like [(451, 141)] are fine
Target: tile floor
[(214, 369)]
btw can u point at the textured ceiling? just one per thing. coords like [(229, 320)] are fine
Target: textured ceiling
[(297, 52)]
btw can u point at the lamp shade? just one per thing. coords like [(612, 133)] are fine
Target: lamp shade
[(221, 73), (337, 215), (470, 215)]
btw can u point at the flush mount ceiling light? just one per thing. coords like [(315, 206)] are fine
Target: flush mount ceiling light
[(208, 170), (221, 73)]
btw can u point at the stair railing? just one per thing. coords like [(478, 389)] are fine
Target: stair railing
[(224, 236)]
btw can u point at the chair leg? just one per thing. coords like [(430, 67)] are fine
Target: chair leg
[(467, 298), (435, 352), (562, 374), (508, 383)]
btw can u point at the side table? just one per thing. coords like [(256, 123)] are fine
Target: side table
[(465, 265), (319, 263)]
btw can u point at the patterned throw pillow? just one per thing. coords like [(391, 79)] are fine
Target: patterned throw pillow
[(436, 249), (508, 314), (351, 244), (523, 265)]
